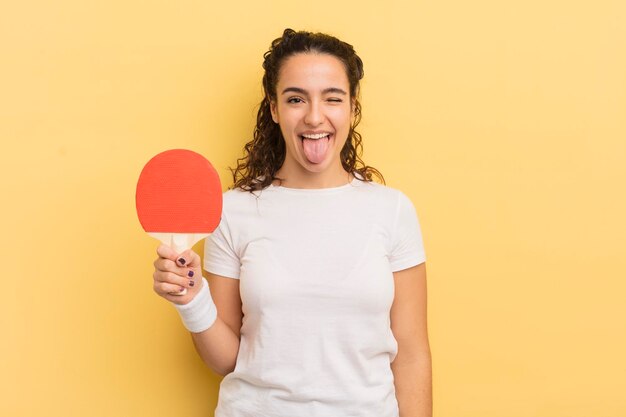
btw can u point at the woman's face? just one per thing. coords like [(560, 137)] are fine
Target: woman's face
[(314, 110)]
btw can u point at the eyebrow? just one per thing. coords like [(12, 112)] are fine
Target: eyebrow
[(298, 90)]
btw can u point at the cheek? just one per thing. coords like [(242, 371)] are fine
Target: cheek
[(288, 118), (342, 144), (288, 136), (342, 117)]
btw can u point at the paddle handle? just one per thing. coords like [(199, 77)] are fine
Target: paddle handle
[(180, 242)]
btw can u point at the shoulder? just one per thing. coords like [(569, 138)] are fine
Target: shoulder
[(382, 193), (237, 195), (238, 202), (390, 205)]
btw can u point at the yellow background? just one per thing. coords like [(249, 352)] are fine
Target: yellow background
[(504, 121)]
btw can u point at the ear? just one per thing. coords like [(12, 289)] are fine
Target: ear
[(273, 110)]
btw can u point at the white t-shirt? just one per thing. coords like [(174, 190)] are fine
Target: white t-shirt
[(316, 283)]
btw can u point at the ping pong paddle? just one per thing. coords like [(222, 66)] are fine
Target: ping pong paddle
[(179, 199)]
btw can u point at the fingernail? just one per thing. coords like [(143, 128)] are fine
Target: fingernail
[(181, 261), (191, 283), (190, 274)]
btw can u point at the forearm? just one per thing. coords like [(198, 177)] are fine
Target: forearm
[(413, 383), (218, 347)]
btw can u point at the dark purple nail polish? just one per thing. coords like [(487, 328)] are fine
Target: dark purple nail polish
[(181, 261), (191, 283), (190, 274)]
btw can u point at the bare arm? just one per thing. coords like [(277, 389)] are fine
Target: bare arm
[(219, 344), (412, 367)]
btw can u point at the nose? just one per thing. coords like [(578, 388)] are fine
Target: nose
[(314, 115)]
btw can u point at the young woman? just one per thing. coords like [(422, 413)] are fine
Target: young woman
[(317, 300)]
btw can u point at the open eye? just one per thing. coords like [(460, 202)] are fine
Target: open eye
[(294, 100)]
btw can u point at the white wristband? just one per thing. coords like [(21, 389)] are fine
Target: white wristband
[(200, 313)]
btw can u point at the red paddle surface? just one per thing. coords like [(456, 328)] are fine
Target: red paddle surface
[(179, 191)]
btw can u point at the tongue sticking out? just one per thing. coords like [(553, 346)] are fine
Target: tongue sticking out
[(315, 149)]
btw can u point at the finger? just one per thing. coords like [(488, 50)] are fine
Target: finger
[(167, 265), (167, 252), (166, 288), (171, 278), (177, 299), (189, 259)]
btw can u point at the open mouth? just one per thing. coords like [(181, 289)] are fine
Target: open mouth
[(316, 146), (315, 136)]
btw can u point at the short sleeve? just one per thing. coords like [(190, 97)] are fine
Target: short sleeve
[(407, 247), (220, 256)]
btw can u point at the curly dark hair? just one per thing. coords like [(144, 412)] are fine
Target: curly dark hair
[(265, 153)]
